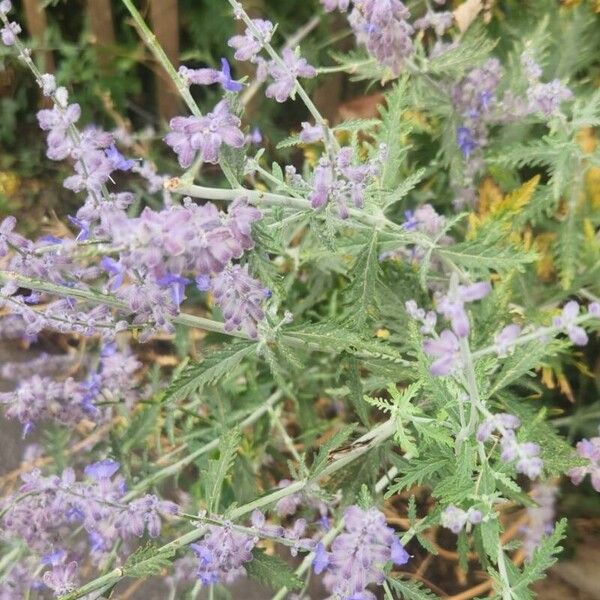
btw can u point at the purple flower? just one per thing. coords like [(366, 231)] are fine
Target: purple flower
[(445, 350), (114, 268), (5, 6), (84, 228), (203, 283), (540, 518), (382, 26), (9, 33), (240, 297), (505, 340), (594, 309), (454, 518), (103, 469), (117, 160), (331, 5), (62, 579), (311, 133), (222, 554), (209, 76), (546, 98), (255, 137), (176, 283), (286, 75), (57, 122), (205, 134), (247, 46), (465, 141), (342, 182), (452, 304), (321, 559), (358, 554), (568, 322), (589, 450)]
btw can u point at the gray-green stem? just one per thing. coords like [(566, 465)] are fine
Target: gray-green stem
[(360, 447)]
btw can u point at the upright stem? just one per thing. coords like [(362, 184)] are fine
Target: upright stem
[(160, 55), (331, 142)]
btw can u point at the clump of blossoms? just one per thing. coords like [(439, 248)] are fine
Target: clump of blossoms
[(358, 555), (46, 509)]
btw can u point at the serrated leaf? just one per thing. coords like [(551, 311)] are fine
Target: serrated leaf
[(411, 590), (218, 364), (361, 294), (147, 561), (218, 469), (490, 537), (271, 571), (523, 359), (543, 558)]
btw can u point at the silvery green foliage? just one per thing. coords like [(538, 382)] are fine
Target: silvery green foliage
[(346, 330)]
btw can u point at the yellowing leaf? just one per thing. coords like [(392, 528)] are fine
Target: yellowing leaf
[(545, 267), (548, 378), (493, 206), (587, 139), (9, 183), (592, 185)]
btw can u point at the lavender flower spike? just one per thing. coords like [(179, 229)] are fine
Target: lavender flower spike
[(285, 76), (205, 134), (445, 350), (568, 322)]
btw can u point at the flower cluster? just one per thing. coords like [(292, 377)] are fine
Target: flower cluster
[(45, 511), (590, 451), (341, 182), (205, 135), (40, 397), (445, 349), (540, 518), (284, 72), (358, 555), (383, 27), (526, 454), (455, 518)]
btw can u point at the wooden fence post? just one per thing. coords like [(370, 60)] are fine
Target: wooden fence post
[(101, 25), (35, 17), (165, 25)]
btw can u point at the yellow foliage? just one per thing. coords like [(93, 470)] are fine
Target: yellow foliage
[(9, 183), (545, 264), (592, 184), (587, 139), (311, 156), (548, 378), (492, 205)]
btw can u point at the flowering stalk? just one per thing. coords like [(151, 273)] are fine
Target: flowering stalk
[(160, 55), (362, 445), (332, 533), (331, 141)]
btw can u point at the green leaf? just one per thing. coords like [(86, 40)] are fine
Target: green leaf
[(411, 590), (361, 296), (218, 469), (523, 359), (147, 561), (543, 558), (215, 366), (490, 537), (337, 337), (271, 571), (417, 473), (391, 133)]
